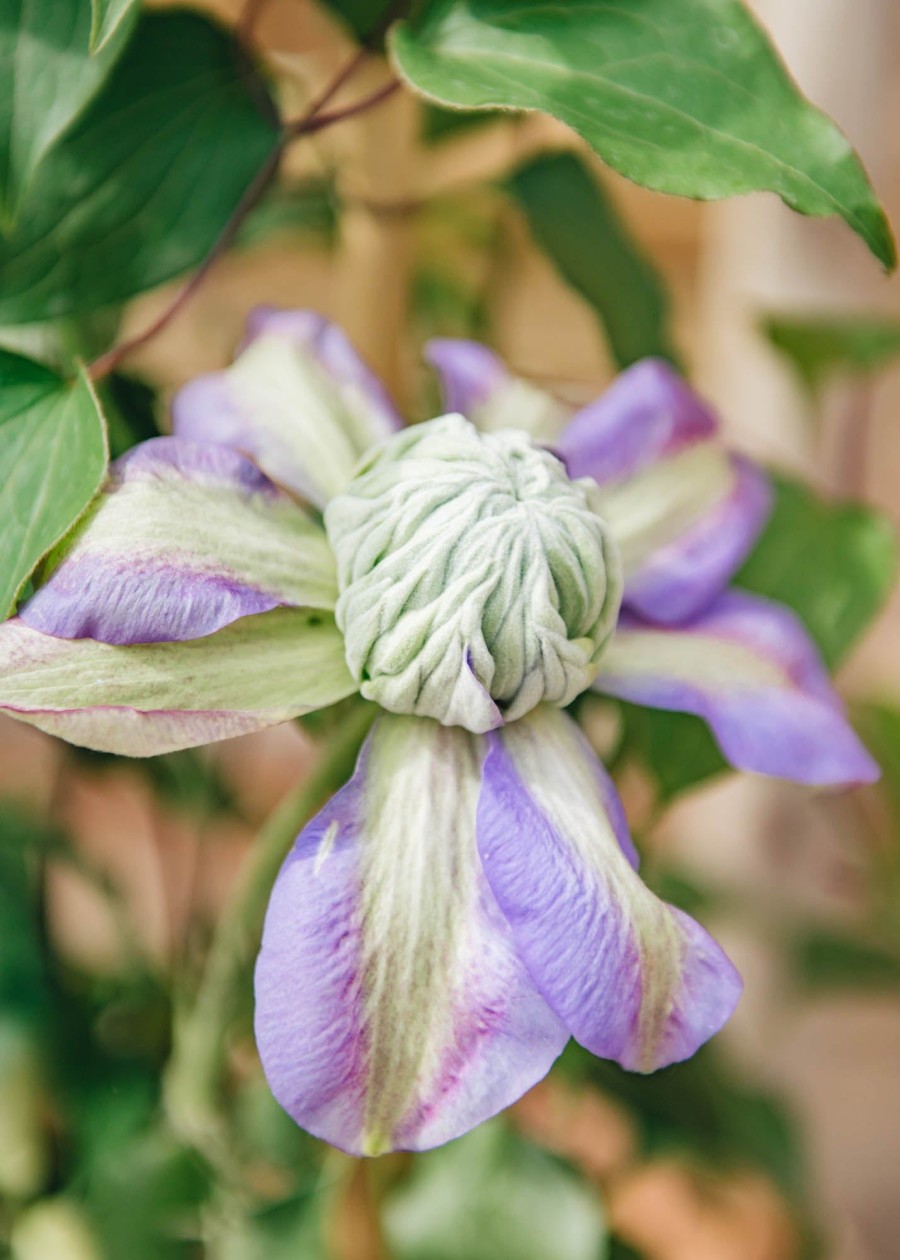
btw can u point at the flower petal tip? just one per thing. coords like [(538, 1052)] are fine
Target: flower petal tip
[(749, 668), (393, 1011)]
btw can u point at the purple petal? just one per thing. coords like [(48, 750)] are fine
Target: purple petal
[(634, 980), (677, 580), (748, 667), (392, 1010), (469, 372), (331, 346), (184, 539), (298, 399), (477, 384), (647, 414)]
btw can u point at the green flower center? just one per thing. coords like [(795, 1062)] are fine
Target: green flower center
[(476, 579)]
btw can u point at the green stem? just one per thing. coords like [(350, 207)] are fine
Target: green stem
[(194, 1075)]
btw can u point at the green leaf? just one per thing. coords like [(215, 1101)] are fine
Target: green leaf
[(364, 17), (107, 17), (827, 960), (297, 212), (53, 456), (493, 1196), (677, 749), (142, 187), (579, 229), (23, 974), (686, 98), (138, 1187), (879, 725), (820, 348), (833, 564), (47, 79), (619, 1250), (286, 1231)]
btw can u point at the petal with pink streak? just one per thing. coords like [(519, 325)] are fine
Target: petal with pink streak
[(392, 1010), (634, 980), (748, 667), (183, 539), (684, 512)]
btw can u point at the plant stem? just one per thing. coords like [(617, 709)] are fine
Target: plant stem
[(313, 120), (109, 361), (310, 124), (195, 1070)]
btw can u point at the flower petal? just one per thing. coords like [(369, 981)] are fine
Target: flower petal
[(749, 668), (184, 538), (297, 398), (154, 698), (635, 980), (684, 512), (477, 384), (678, 578), (648, 414), (392, 1010)]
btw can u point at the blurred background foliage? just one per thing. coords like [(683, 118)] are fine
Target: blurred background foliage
[(162, 145)]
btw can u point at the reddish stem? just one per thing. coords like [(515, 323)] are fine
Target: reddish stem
[(312, 120), (109, 361), (310, 123)]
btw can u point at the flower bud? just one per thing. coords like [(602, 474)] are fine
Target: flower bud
[(476, 579)]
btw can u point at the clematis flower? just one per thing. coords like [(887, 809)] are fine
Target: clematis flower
[(470, 899)]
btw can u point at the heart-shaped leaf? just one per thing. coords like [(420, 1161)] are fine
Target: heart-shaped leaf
[(142, 186), (47, 79)]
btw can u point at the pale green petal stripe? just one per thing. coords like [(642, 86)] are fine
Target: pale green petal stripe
[(657, 506), (517, 404), (154, 698), (205, 524), (418, 882), (692, 659)]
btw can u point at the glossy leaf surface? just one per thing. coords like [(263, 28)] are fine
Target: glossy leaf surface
[(144, 184), (53, 456), (688, 99)]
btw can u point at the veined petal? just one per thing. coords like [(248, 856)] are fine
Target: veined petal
[(647, 414), (634, 980), (155, 698), (748, 667), (477, 384), (684, 527), (392, 1010), (297, 398), (684, 512), (184, 539)]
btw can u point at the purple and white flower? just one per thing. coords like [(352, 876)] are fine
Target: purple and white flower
[(470, 899)]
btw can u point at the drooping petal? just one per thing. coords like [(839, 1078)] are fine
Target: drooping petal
[(684, 560), (634, 980), (184, 539), (477, 384), (155, 698), (392, 1010), (684, 512), (748, 667), (297, 398)]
